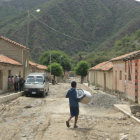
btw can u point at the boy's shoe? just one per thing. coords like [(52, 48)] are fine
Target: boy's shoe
[(75, 126), (67, 124)]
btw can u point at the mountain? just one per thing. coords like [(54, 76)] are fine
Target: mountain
[(98, 23)]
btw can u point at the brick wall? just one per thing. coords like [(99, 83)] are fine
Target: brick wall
[(138, 79), (130, 83)]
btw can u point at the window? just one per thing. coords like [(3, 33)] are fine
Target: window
[(34, 79), (120, 75)]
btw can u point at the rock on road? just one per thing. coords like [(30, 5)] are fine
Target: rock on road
[(35, 118)]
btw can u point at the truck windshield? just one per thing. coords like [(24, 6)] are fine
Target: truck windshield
[(34, 79), (39, 79)]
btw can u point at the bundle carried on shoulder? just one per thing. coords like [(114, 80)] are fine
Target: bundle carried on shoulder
[(87, 98)]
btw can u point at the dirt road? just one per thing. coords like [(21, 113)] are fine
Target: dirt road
[(31, 118)]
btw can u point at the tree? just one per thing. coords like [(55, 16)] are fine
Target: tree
[(66, 64), (82, 69), (56, 56), (56, 69)]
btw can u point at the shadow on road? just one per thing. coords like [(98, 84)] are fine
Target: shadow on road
[(82, 129)]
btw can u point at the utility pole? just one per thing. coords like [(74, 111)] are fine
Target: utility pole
[(27, 43), (50, 63), (27, 36)]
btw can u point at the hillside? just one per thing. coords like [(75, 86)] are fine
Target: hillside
[(127, 44), (99, 22)]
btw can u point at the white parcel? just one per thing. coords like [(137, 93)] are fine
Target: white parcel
[(87, 98)]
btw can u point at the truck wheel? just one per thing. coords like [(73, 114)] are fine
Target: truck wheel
[(27, 95), (43, 94), (47, 92)]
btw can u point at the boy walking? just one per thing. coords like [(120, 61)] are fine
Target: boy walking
[(73, 104)]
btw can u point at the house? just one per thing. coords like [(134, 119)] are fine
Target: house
[(126, 75), (14, 60), (17, 52), (102, 75), (8, 67), (34, 67)]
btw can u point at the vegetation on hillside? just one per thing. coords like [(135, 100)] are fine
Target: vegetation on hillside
[(99, 22), (127, 44)]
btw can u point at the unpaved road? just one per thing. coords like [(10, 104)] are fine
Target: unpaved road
[(31, 118)]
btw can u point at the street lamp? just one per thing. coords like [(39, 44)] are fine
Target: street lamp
[(37, 10), (28, 18)]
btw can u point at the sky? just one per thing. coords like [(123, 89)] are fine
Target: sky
[(137, 0)]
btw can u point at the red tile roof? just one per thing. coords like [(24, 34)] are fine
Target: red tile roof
[(108, 66), (13, 42), (126, 56), (104, 66), (7, 60), (42, 67), (32, 63)]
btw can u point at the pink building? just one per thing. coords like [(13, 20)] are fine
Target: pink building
[(126, 75)]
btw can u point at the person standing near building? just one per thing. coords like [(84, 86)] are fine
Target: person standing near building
[(12, 79), (73, 104), (16, 80), (21, 83), (9, 83)]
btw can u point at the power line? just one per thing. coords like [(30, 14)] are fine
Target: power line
[(58, 31)]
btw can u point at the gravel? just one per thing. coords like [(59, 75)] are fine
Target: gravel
[(104, 100)]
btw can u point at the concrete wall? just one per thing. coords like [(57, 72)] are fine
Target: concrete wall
[(98, 78), (91, 76), (10, 50), (118, 84), (109, 80), (4, 68)]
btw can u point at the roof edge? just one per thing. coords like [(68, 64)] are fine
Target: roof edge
[(13, 42)]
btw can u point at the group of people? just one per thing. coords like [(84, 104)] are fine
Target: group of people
[(15, 83)]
